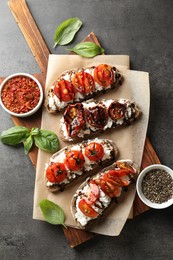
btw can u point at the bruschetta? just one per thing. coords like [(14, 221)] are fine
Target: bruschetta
[(71, 162), (79, 85), (95, 195), (91, 117)]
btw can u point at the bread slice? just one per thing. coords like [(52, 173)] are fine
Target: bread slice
[(89, 167), (104, 201), (129, 108), (53, 104)]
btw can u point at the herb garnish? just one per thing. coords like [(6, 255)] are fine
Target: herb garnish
[(44, 139), (87, 49), (66, 31), (52, 213)]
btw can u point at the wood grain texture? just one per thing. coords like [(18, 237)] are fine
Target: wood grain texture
[(40, 51), (31, 32)]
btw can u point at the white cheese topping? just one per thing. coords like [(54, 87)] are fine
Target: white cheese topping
[(88, 165), (102, 203), (59, 158), (79, 96), (109, 124), (88, 105), (67, 76), (54, 102), (64, 130)]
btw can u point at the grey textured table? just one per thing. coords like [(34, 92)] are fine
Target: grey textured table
[(143, 30)]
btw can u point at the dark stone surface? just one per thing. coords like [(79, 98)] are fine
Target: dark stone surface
[(141, 29)]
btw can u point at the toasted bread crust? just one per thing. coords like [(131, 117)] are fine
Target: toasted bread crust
[(118, 78), (98, 166), (92, 133), (74, 199)]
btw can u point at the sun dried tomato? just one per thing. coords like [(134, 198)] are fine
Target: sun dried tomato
[(20, 94)]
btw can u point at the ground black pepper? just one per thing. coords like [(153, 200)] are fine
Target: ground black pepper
[(157, 186)]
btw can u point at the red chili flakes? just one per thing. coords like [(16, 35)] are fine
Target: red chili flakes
[(20, 94)]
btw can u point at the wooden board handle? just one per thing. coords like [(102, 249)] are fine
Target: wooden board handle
[(31, 32)]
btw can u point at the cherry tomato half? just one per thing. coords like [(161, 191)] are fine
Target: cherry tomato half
[(117, 173), (113, 179), (56, 172), (64, 90), (74, 119), (104, 75), (108, 187), (74, 160), (86, 209), (94, 151), (116, 111), (93, 194), (83, 82), (125, 166), (97, 116), (103, 185), (119, 176), (116, 191)]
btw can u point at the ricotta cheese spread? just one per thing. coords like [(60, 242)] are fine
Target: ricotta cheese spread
[(88, 164), (55, 103), (102, 203), (89, 128)]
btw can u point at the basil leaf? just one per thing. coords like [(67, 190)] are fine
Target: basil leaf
[(47, 141), (14, 135), (35, 131), (52, 213), (66, 31), (87, 49), (28, 144)]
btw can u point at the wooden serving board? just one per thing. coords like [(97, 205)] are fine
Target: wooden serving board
[(41, 52)]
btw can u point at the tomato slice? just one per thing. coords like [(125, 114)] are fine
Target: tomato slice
[(74, 119), (116, 110), (64, 90), (94, 151), (56, 172), (86, 209), (83, 82), (125, 180), (93, 194), (103, 185), (97, 116), (125, 166), (115, 180), (109, 187), (117, 173), (120, 176), (104, 75), (74, 160), (116, 192)]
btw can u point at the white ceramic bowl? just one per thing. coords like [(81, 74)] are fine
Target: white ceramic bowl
[(139, 187), (35, 109)]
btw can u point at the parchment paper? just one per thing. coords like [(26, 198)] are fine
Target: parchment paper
[(129, 140)]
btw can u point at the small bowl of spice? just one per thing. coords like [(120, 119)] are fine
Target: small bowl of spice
[(155, 186), (21, 95)]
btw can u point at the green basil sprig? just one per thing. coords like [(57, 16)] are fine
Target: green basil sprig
[(66, 31), (44, 139), (87, 49), (52, 213), (28, 144), (15, 135)]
